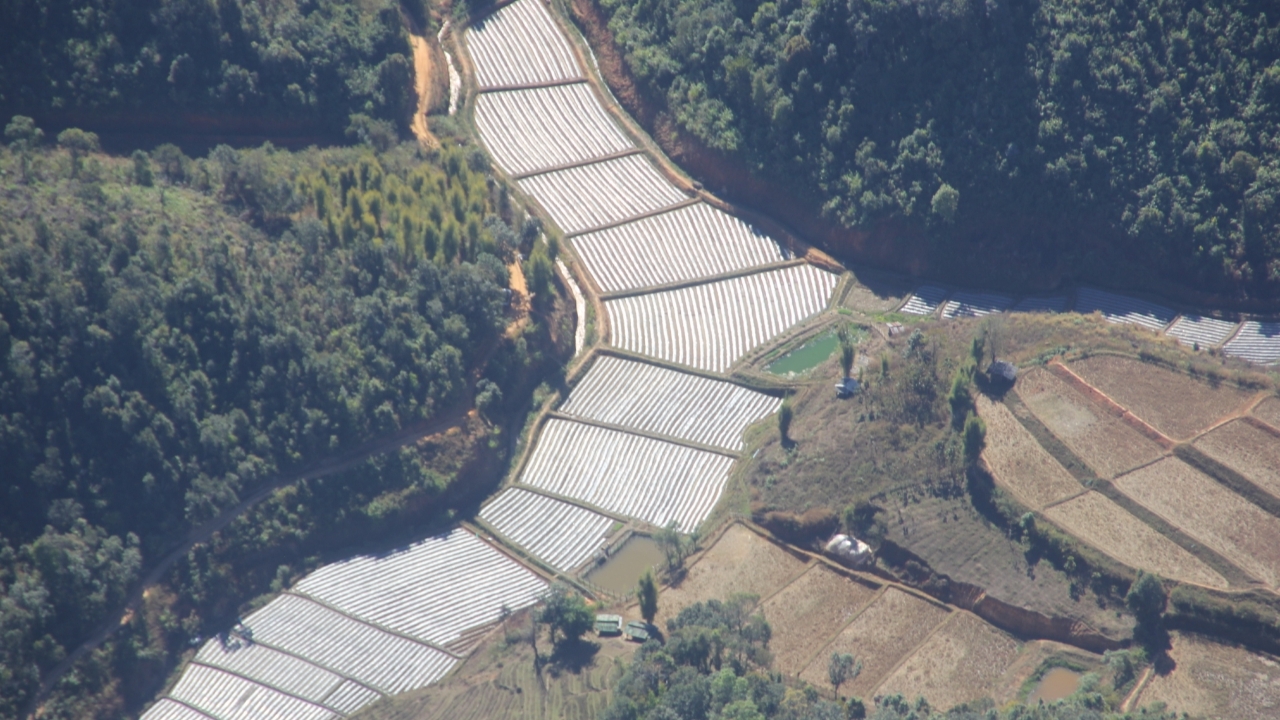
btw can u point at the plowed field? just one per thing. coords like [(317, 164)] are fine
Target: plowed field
[(808, 611), (1110, 528), (1217, 681), (1103, 442), (1268, 411), (1018, 462), (1248, 450), (964, 660), (1175, 404), (1201, 507), (887, 631)]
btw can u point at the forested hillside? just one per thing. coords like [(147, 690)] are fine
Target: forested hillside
[(174, 333), (1098, 139), (313, 61)]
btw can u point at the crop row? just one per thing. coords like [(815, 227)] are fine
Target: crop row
[(1204, 331), (691, 242), (710, 326), (540, 128), (231, 697), (271, 667), (166, 709), (562, 535), (925, 300), (975, 304), (658, 400), (1257, 342), (519, 45), (434, 589), (628, 474), (1123, 309), (586, 197)]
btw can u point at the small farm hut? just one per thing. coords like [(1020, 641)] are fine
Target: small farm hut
[(848, 387), (1002, 372), (637, 630), (608, 624), (849, 550)]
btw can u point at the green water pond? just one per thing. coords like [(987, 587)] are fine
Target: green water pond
[(806, 357)]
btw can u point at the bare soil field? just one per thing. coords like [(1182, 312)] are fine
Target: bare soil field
[(1268, 411), (887, 631), (1097, 520), (1175, 404), (1204, 509), (1217, 681), (1107, 445), (809, 611), (1018, 463), (498, 683), (1248, 450), (964, 660), (740, 562)]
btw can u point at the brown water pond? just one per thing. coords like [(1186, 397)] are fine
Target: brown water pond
[(620, 573), (1056, 684)]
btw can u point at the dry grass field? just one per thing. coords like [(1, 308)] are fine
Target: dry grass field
[(1248, 450), (1268, 411), (1198, 505), (740, 562), (1217, 681), (876, 293), (1097, 520), (807, 612), (1175, 404), (1102, 441), (1018, 463), (887, 631), (964, 660)]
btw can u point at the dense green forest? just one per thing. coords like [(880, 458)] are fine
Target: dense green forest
[(309, 61), (1099, 137), (174, 333), (715, 663)]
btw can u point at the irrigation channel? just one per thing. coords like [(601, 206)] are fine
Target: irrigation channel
[(646, 437)]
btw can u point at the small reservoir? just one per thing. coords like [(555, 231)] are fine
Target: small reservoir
[(1056, 684), (620, 573), (806, 357)]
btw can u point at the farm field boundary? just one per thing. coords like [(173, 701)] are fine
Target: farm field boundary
[(1115, 408), (732, 274), (646, 434)]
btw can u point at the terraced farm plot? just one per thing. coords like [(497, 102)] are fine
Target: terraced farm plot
[(1196, 504), (527, 130), (166, 709), (562, 535), (590, 196), (225, 696), (627, 474), (975, 304), (276, 669), (658, 400), (964, 660), (710, 326), (1248, 450), (1098, 521), (692, 242), (1199, 330), (1019, 464), (880, 636), (808, 611), (1216, 680), (925, 300), (1268, 411), (1102, 441), (739, 562), (1257, 342), (520, 45), (434, 590), (1175, 404), (1053, 304), (1123, 309)]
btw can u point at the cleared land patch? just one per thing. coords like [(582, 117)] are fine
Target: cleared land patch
[(659, 400), (519, 45), (1097, 520), (740, 562), (1268, 411), (1250, 451), (1103, 442), (880, 636), (1019, 463), (710, 326), (808, 610), (964, 660), (1176, 405), (1201, 507), (1216, 680)]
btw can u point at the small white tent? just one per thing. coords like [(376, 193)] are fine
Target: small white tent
[(849, 550)]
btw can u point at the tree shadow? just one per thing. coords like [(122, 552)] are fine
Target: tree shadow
[(574, 656)]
